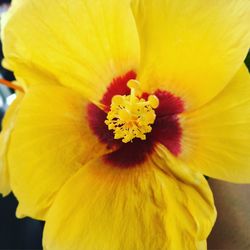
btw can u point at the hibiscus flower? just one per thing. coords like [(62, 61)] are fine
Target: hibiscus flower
[(127, 105)]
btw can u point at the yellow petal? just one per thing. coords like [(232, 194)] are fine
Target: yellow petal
[(216, 137), (7, 128), (155, 206), (51, 140), (201, 245), (83, 45), (191, 48)]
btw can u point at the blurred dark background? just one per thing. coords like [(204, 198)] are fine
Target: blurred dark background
[(19, 233)]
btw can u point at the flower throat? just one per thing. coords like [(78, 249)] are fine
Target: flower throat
[(131, 117)]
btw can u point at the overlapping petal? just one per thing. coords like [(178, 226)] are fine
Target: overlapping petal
[(216, 137), (82, 44), (7, 128), (50, 141), (158, 205), (191, 48)]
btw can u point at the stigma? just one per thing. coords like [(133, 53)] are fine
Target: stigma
[(130, 116)]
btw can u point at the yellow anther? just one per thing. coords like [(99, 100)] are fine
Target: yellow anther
[(150, 116), (153, 101), (117, 99), (124, 115), (131, 117)]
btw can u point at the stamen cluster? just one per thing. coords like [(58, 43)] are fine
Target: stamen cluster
[(130, 117)]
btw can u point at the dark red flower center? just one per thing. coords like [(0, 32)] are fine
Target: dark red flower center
[(165, 130)]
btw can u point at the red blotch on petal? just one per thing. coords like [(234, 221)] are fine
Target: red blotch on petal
[(166, 129), (96, 119), (131, 153)]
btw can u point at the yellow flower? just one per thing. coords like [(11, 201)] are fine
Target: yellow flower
[(126, 105)]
